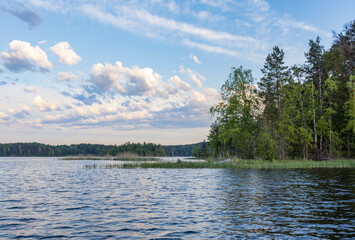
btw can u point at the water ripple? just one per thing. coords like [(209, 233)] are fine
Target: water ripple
[(48, 198)]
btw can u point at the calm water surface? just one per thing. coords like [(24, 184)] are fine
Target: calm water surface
[(50, 198)]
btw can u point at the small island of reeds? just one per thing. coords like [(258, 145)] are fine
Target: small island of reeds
[(234, 164)]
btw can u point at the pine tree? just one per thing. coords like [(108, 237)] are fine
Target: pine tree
[(275, 76), (315, 71)]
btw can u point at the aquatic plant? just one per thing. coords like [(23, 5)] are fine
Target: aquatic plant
[(237, 164)]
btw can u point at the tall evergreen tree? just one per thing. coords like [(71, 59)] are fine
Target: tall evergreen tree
[(345, 43), (315, 70), (275, 76)]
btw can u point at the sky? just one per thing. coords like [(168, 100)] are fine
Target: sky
[(111, 71)]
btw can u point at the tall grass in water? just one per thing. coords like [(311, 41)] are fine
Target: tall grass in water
[(292, 164), (236, 164)]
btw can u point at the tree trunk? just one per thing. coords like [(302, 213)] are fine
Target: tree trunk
[(321, 106), (348, 140), (278, 86), (305, 148), (314, 124), (330, 126)]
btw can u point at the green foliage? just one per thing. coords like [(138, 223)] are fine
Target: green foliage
[(235, 126), (306, 111), (267, 146), (201, 150), (239, 164), (41, 150), (145, 149), (350, 105)]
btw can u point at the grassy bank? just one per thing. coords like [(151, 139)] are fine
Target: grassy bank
[(291, 164), (237, 164)]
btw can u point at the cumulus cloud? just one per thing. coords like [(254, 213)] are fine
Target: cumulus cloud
[(194, 77), (30, 89), (131, 81), (24, 110), (87, 99), (43, 105), (67, 76), (179, 83), (66, 53), (26, 15), (3, 117), (149, 101), (194, 58), (22, 56)]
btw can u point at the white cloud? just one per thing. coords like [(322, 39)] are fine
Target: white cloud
[(130, 19), (209, 48), (193, 57), (258, 11), (49, 5), (242, 23), (287, 22), (3, 115), (260, 5), (194, 77), (66, 53), (30, 89), (208, 16), (217, 3), (24, 107), (23, 111), (171, 103), (43, 105), (132, 81), (179, 83), (22, 56), (67, 76)]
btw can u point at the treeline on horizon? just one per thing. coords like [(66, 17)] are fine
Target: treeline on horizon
[(141, 149), (301, 111)]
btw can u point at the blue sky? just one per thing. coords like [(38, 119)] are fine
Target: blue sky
[(115, 71)]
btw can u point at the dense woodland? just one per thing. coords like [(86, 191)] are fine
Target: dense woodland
[(301, 111), (141, 149)]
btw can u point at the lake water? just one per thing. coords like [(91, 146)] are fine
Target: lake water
[(50, 198)]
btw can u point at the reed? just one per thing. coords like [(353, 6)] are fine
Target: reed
[(135, 159), (293, 164), (236, 164)]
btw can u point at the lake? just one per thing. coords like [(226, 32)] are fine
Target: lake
[(50, 198)]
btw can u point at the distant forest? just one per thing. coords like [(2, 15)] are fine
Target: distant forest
[(141, 149)]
